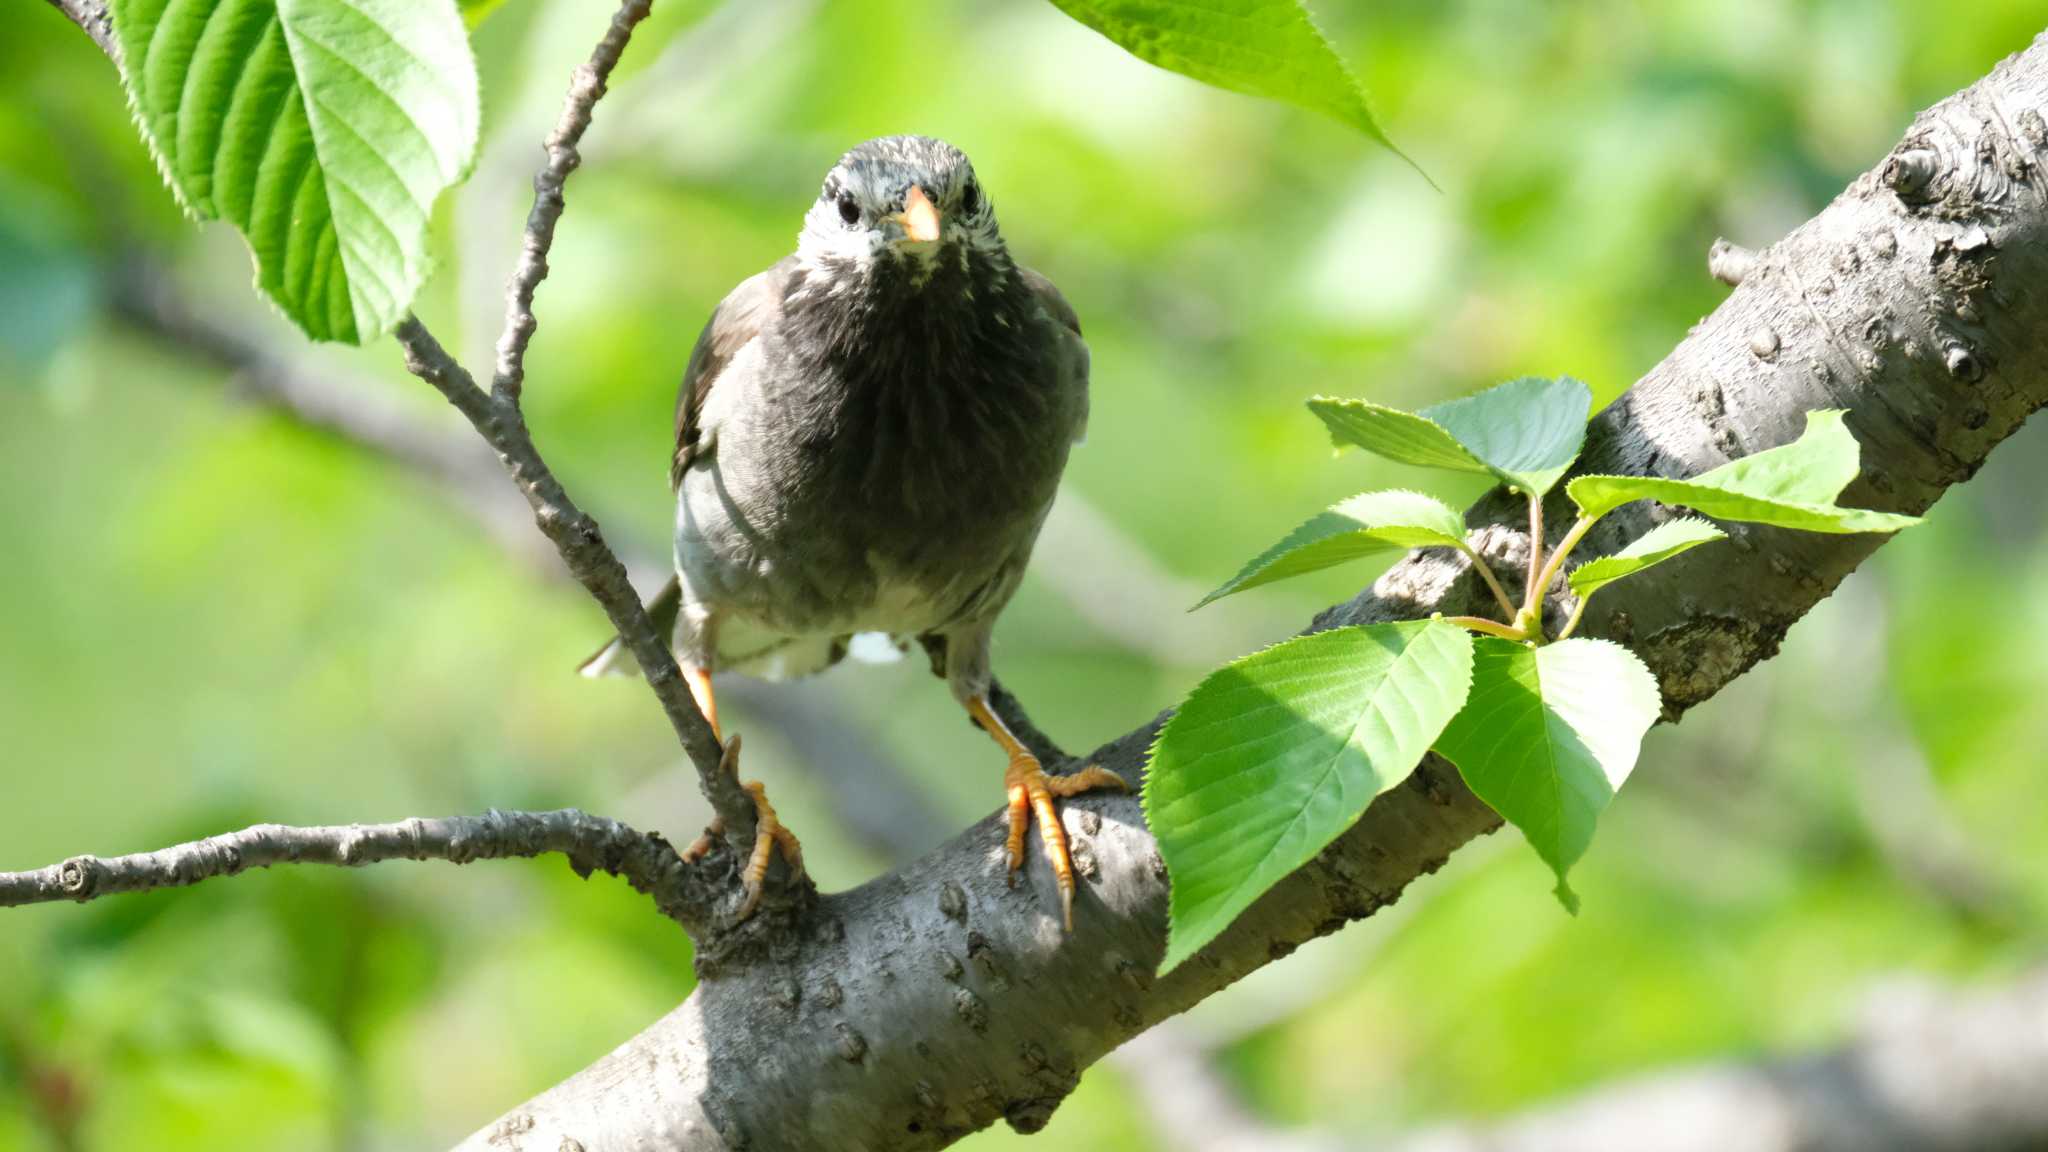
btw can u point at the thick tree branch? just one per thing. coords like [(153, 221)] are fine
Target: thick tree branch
[(592, 843), (935, 1000)]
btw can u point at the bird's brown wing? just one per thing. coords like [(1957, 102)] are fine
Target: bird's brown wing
[(1055, 304), (735, 323), (1076, 374)]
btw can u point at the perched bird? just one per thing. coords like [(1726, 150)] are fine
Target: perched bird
[(868, 437)]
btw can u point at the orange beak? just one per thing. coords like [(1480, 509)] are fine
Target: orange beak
[(920, 217)]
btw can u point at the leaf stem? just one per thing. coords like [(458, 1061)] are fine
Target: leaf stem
[(1490, 627), (1530, 586), (1500, 594), (1579, 528), (1578, 610)]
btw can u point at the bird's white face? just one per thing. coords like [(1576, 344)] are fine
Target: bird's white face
[(899, 197)]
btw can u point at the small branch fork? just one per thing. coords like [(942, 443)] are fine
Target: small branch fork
[(497, 417), (592, 843)]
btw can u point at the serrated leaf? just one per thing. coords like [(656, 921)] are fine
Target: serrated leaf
[(1528, 431), (323, 130), (1791, 486), (1269, 48), (1548, 734), (1653, 547), (1367, 524), (1525, 432), (1272, 756), (1402, 437)]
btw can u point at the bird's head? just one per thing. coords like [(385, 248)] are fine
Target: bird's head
[(900, 199)]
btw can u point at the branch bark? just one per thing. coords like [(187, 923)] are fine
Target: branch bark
[(592, 844), (934, 1000)]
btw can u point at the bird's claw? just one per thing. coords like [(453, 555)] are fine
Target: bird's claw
[(769, 833), (1032, 793)]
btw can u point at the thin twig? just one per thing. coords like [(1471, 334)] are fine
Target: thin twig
[(592, 843), (1531, 598), (586, 88), (97, 21), (590, 560)]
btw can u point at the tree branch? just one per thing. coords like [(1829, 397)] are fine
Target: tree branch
[(935, 1000), (591, 561), (586, 88), (592, 843), (96, 20), (497, 417)]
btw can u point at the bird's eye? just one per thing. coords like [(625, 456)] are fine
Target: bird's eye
[(849, 208), (970, 198)]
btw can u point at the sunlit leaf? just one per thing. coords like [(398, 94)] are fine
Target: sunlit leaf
[(1525, 432), (323, 129), (1791, 486), (1653, 547), (1367, 524), (1269, 48), (1274, 755), (474, 11), (1547, 736)]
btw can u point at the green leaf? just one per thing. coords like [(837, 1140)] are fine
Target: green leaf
[(1274, 755), (1547, 736), (1791, 486), (323, 129), (1525, 432), (474, 11), (1653, 547), (1402, 437), (1269, 48), (1366, 524)]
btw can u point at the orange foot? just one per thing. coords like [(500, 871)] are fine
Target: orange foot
[(769, 834), (1030, 793)]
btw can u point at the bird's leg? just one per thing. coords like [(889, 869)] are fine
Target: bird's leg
[(1030, 791), (769, 832)]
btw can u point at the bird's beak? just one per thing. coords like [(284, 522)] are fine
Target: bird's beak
[(920, 217)]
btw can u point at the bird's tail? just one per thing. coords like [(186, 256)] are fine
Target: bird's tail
[(614, 659)]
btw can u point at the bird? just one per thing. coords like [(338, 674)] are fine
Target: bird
[(868, 436)]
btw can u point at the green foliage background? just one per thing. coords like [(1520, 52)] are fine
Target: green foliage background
[(210, 617)]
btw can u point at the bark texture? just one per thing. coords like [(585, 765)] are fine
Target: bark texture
[(935, 1000)]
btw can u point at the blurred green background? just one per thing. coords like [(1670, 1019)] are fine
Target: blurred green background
[(211, 615)]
